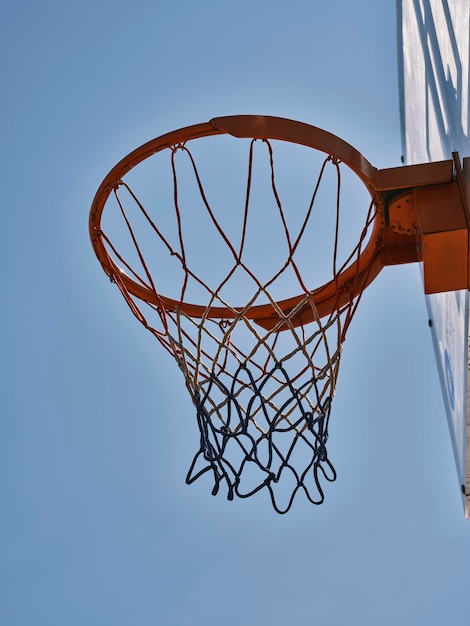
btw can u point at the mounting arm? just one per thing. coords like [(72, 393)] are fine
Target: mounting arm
[(427, 219)]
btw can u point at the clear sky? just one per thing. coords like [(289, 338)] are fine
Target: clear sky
[(97, 525)]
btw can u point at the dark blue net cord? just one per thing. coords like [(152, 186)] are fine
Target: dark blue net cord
[(284, 456)]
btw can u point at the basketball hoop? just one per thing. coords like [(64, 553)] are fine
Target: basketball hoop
[(259, 347)]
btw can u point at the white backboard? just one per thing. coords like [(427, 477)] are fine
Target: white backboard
[(433, 46)]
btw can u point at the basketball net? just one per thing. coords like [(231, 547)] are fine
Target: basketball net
[(262, 385)]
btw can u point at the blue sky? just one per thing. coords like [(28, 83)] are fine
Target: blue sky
[(97, 525)]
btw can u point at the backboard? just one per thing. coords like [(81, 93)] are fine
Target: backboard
[(433, 48)]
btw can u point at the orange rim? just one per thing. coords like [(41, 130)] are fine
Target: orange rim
[(327, 298)]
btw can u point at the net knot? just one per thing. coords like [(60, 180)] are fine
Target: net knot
[(271, 478)]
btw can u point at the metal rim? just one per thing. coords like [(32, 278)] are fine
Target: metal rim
[(328, 297)]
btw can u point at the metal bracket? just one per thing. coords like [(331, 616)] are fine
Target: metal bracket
[(427, 213)]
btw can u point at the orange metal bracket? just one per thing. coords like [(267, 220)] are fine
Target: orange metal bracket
[(429, 222)]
